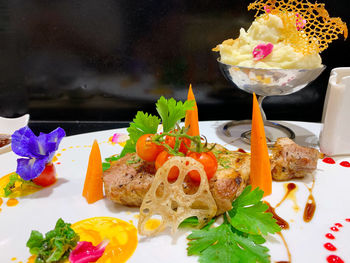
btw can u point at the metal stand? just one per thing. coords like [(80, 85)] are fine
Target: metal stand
[(245, 136)]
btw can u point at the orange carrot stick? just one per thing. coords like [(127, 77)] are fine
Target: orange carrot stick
[(191, 119), (93, 185), (260, 170)]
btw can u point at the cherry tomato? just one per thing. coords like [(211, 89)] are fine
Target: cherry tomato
[(184, 141), (161, 159), (146, 149), (47, 177), (209, 162)]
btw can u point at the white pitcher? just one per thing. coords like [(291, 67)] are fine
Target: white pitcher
[(335, 133)]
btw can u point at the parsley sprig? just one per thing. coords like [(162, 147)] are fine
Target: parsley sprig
[(239, 238), (170, 111)]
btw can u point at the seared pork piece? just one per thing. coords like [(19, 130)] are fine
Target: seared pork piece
[(127, 180), (290, 160), (231, 177)]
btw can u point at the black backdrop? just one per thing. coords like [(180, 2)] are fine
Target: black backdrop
[(105, 59)]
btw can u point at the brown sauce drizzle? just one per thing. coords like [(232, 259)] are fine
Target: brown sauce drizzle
[(310, 209), (280, 221), (310, 206), (290, 187), (5, 139), (284, 226)]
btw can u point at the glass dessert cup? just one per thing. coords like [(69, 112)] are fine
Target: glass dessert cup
[(267, 82)]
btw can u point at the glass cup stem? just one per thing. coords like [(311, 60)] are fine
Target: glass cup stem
[(260, 100)]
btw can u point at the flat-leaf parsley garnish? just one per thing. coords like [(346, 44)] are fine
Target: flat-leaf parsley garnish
[(235, 240), (170, 111)]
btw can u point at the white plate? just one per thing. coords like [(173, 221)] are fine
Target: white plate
[(9, 126), (41, 210)]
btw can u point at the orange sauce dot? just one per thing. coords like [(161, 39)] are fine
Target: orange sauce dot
[(152, 224), (122, 237), (13, 259), (12, 202), (1, 201), (31, 259)]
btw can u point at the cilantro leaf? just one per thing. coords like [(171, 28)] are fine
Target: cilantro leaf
[(57, 244), (248, 214), (143, 123), (222, 244), (172, 111)]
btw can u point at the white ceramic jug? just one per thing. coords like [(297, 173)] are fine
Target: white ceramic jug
[(335, 133)]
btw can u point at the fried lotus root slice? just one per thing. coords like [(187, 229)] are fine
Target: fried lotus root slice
[(169, 201)]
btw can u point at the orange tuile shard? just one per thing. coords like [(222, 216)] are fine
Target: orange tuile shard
[(318, 31)]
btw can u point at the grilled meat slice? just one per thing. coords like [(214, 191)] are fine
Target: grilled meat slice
[(290, 160), (231, 177), (127, 181)]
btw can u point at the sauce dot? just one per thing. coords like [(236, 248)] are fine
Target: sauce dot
[(1, 201), (347, 219), (12, 202), (338, 225), (13, 259), (330, 247), (330, 236), (334, 259), (241, 150), (345, 164), (328, 160)]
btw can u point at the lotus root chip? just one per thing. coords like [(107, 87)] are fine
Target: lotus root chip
[(169, 200)]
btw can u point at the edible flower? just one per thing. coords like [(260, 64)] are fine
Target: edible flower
[(38, 150), (267, 9), (86, 252), (300, 22), (262, 50)]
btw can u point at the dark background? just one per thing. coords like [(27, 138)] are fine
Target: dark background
[(102, 60)]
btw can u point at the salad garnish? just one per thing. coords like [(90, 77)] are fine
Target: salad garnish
[(36, 167), (55, 246), (240, 237)]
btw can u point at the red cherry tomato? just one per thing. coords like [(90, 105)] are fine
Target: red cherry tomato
[(161, 159), (47, 177), (209, 162), (146, 149), (184, 141)]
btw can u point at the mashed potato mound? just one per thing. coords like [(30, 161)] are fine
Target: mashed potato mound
[(264, 30)]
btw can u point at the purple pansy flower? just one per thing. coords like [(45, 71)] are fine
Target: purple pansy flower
[(39, 150)]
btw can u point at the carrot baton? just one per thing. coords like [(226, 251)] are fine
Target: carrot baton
[(93, 185), (260, 169), (191, 119)]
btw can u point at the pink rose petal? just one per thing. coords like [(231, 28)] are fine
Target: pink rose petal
[(262, 50), (267, 9)]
